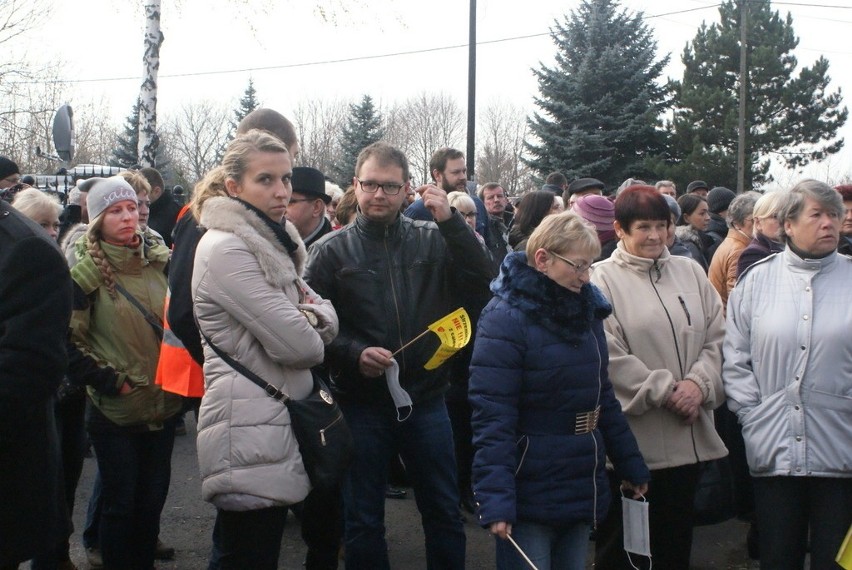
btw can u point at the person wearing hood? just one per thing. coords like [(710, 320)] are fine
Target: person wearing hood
[(119, 289), (540, 392)]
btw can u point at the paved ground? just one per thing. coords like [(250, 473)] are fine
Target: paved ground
[(187, 522)]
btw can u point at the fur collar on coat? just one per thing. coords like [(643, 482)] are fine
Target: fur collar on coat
[(227, 215), (566, 314)]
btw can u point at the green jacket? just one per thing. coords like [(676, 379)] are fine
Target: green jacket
[(113, 333)]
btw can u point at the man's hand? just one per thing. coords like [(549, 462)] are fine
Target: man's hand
[(374, 360), (501, 529), (436, 202)]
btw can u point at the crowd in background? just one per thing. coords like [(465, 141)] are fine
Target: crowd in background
[(622, 344)]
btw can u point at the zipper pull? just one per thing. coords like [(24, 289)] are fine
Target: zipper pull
[(322, 437), (685, 310)]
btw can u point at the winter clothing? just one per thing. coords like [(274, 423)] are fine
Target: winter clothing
[(540, 360), (696, 242), (164, 215), (585, 184), (717, 229), (845, 245), (556, 190), (104, 192), (310, 182), (394, 280), (187, 234), (759, 248), (323, 228), (113, 344), (35, 308), (418, 211), (696, 185), (786, 369), (723, 267), (597, 210), (646, 362), (8, 167), (719, 198), (248, 296)]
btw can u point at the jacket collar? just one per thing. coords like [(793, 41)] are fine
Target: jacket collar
[(639, 264), (560, 311), (227, 215), (378, 230), (810, 265)]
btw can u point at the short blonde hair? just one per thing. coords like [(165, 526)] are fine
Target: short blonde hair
[(136, 180), (458, 198), (768, 205), (31, 202), (562, 233)]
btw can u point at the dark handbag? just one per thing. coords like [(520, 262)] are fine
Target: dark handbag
[(325, 441), (714, 496)]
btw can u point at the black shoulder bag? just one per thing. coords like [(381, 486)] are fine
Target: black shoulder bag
[(325, 441)]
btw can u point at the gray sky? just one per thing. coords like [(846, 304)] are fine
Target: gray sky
[(283, 47)]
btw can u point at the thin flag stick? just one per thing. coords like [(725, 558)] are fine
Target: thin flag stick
[(410, 342), (521, 552)]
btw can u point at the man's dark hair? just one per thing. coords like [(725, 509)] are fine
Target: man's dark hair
[(440, 157), (153, 176), (270, 121), (489, 186), (556, 178), (386, 155)]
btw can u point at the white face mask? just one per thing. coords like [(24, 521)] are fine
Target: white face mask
[(637, 534)]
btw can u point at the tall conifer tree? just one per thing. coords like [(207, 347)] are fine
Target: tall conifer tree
[(600, 103), (363, 128)]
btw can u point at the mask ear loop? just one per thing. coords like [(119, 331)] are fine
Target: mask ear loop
[(644, 499)]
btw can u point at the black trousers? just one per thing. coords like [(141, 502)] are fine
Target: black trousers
[(250, 539), (789, 507), (671, 496)]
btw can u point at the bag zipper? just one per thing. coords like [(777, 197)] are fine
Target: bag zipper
[(329, 426)]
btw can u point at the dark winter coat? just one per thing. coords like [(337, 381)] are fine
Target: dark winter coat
[(845, 245), (540, 358), (187, 234), (697, 244), (389, 283), (35, 309), (717, 230), (419, 211), (164, 214), (760, 247)]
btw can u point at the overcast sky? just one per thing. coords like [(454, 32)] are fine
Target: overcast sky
[(292, 53)]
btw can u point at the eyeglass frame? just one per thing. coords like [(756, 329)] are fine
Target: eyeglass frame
[(382, 185), (579, 268)]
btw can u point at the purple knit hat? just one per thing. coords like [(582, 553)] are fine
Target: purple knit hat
[(597, 210)]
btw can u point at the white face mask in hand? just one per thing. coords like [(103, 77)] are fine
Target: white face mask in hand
[(637, 535), (401, 399)]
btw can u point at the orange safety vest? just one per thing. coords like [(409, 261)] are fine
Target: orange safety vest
[(177, 372)]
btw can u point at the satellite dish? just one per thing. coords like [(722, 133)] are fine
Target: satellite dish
[(63, 132)]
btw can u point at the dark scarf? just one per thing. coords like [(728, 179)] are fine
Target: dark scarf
[(277, 229), (559, 310)]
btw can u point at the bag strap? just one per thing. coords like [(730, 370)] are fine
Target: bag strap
[(150, 318), (270, 390)]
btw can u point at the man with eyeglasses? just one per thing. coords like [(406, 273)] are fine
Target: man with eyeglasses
[(389, 277), (306, 210)]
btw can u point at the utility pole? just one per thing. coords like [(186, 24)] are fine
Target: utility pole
[(741, 126), (471, 93)]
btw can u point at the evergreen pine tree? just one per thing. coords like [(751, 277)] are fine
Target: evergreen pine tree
[(600, 103), (248, 103), (789, 118), (363, 128), (126, 154)]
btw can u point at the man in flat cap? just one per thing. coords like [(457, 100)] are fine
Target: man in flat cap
[(306, 209), (582, 187), (699, 187)]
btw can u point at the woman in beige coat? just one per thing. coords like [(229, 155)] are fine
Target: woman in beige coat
[(253, 305), (664, 339)]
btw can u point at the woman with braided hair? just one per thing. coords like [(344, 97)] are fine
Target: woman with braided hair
[(115, 332)]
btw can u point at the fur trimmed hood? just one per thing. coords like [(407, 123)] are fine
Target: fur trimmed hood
[(227, 215), (689, 234), (560, 311)]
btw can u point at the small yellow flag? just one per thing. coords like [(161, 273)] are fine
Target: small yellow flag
[(844, 555), (454, 332)]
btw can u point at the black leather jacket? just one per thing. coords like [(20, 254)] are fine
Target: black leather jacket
[(388, 283)]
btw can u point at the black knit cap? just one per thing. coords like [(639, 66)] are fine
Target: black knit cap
[(8, 167)]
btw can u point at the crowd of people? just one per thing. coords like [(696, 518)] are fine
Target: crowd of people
[(622, 343)]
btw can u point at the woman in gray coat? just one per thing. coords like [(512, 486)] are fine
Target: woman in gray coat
[(252, 303), (788, 377)]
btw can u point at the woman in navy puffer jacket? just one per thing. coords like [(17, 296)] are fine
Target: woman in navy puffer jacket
[(544, 413)]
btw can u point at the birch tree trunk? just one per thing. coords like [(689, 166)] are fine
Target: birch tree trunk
[(147, 148)]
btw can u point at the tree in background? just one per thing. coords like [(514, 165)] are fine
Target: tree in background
[(362, 128), (502, 129), (127, 145), (195, 134), (790, 118), (318, 124), (600, 104), (248, 103)]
